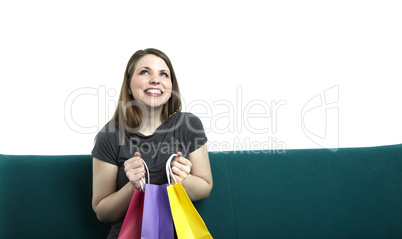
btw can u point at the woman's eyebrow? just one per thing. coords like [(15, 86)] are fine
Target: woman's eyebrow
[(144, 67), (149, 69), (165, 70)]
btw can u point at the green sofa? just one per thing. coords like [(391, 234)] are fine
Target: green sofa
[(298, 193)]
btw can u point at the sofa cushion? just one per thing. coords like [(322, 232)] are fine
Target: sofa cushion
[(47, 197), (217, 209), (308, 193), (316, 193)]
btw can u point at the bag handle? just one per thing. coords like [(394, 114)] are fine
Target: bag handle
[(169, 169), (142, 180), (168, 172), (142, 183)]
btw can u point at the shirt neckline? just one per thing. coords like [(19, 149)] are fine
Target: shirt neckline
[(159, 128)]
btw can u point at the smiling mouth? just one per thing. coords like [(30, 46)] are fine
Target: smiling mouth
[(153, 92)]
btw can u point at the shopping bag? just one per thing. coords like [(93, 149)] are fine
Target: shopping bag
[(131, 228), (157, 222), (187, 221)]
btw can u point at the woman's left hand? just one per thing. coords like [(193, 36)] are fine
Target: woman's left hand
[(181, 167)]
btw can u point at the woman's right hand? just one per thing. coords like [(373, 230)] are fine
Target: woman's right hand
[(134, 169)]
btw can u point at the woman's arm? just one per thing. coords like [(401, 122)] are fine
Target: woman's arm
[(109, 204), (198, 184)]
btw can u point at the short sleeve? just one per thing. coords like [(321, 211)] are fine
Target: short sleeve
[(106, 144), (195, 133)]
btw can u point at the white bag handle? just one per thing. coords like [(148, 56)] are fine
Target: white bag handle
[(168, 172), (169, 169), (142, 183), (142, 180)]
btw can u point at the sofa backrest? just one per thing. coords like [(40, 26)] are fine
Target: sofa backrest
[(47, 197), (307, 193)]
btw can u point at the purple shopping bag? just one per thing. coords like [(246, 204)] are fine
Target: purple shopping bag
[(157, 221)]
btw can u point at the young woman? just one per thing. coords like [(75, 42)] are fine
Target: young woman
[(147, 125)]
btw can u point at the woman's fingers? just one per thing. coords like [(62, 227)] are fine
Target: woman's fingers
[(181, 167), (134, 161), (134, 169)]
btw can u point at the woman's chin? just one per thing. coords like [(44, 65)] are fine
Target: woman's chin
[(155, 105)]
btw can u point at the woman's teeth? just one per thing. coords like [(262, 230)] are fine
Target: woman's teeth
[(154, 91)]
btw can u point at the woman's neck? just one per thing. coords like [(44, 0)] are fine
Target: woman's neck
[(151, 121)]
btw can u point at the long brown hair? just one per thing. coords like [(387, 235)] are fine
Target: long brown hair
[(127, 116)]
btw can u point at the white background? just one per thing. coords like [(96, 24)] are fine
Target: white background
[(331, 68)]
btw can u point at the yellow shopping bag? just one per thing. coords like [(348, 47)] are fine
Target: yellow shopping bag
[(187, 221)]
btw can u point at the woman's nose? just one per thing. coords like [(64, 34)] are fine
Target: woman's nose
[(154, 80)]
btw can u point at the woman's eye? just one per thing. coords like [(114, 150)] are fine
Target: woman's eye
[(164, 74), (143, 72)]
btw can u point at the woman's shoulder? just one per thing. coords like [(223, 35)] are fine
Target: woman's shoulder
[(110, 131), (184, 115), (107, 144), (180, 117), (187, 120), (110, 127)]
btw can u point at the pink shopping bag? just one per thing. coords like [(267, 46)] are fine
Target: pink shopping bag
[(132, 223)]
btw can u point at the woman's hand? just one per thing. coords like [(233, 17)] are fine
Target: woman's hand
[(134, 169), (181, 167)]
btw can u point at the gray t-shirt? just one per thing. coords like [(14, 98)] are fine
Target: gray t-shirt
[(182, 132)]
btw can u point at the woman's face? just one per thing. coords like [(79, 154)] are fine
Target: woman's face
[(151, 83)]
